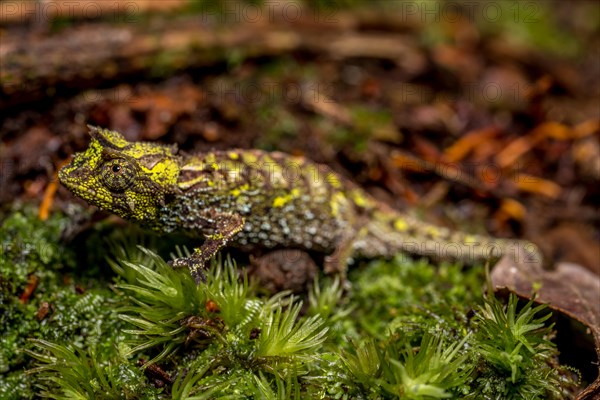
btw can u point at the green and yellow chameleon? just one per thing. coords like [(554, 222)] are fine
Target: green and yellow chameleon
[(253, 199)]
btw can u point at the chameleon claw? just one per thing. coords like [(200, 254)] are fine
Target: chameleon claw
[(198, 275), (196, 268)]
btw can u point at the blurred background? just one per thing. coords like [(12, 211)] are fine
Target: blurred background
[(480, 115), (488, 106)]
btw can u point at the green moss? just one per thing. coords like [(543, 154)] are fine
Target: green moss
[(77, 313), (278, 123), (404, 329), (530, 25)]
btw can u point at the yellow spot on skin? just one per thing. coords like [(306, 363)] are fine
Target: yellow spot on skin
[(336, 199), (359, 199), (470, 239), (233, 156), (249, 158), (279, 201), (400, 225), (334, 180), (192, 182), (239, 190), (215, 166), (210, 158), (164, 172), (432, 231)]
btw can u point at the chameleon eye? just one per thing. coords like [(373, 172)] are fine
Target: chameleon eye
[(117, 174)]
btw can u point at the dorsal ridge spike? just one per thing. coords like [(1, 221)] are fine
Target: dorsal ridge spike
[(108, 138)]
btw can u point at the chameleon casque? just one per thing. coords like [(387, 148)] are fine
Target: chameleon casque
[(256, 199)]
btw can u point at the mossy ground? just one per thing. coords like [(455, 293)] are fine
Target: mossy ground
[(405, 328)]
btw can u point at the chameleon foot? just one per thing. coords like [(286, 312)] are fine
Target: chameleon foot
[(226, 226), (196, 268)]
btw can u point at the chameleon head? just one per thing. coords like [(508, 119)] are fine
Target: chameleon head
[(132, 180)]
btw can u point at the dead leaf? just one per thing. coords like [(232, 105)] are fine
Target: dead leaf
[(44, 210), (32, 284), (522, 145), (569, 289), (514, 151), (427, 150), (539, 87), (554, 130), (586, 154), (513, 209), (573, 242), (533, 184), (586, 128), (463, 146), (408, 162)]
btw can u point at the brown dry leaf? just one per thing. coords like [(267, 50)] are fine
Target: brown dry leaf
[(586, 128), (485, 151), (533, 184), (32, 284), (540, 87), (570, 289), (408, 162), (554, 130), (509, 210), (513, 209), (44, 210), (573, 242), (586, 154), (459, 150), (524, 144), (514, 151), (427, 150)]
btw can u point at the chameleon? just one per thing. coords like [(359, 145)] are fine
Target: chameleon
[(253, 199)]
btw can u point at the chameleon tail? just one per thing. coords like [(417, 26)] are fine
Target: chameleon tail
[(388, 233)]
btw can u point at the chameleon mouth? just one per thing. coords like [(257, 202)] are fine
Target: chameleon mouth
[(68, 180), (72, 181)]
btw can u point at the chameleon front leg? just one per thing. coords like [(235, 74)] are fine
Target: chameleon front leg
[(225, 227)]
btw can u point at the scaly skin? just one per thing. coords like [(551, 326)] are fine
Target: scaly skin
[(255, 199)]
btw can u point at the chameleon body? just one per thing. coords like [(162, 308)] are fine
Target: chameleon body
[(255, 199)]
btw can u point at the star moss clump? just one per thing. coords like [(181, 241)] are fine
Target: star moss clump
[(43, 295), (402, 329)]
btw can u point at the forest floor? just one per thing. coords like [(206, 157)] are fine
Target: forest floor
[(481, 120)]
